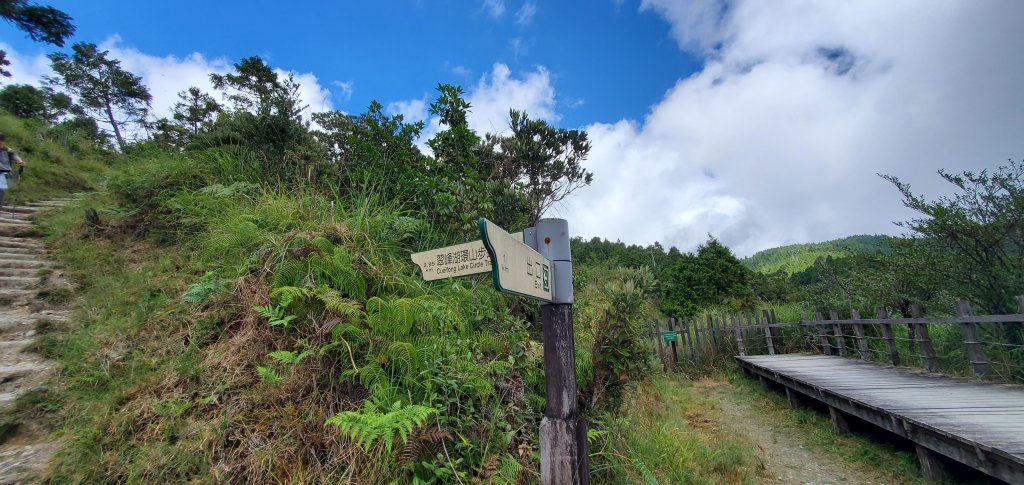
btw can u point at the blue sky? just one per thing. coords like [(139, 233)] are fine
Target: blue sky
[(607, 60), (760, 123)]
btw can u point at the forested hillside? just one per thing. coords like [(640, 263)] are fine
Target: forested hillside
[(798, 257)]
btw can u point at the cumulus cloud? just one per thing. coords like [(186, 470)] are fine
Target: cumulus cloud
[(490, 100), (498, 91), (779, 137), (412, 110), (166, 76), (345, 89)]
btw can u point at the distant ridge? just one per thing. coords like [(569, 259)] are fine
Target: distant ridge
[(798, 257)]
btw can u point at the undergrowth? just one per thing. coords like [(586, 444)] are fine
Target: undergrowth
[(233, 332)]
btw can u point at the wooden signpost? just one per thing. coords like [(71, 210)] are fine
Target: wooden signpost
[(535, 263)]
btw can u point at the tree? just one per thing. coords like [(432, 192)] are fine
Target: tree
[(548, 161), (975, 238), (195, 111), (30, 102), (108, 93), (267, 115), (41, 23)]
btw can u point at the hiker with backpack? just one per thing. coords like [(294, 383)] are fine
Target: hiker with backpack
[(7, 159)]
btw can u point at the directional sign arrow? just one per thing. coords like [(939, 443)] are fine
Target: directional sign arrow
[(459, 260), (517, 268)]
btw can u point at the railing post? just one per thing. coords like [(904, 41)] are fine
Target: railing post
[(740, 345), (826, 346), (837, 328), (661, 346), (768, 332), (890, 341), (675, 353), (862, 339), (924, 341), (690, 337), (975, 352), (776, 332), (713, 337)]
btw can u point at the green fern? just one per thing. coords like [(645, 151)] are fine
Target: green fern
[(508, 471), (289, 357), (268, 375), (202, 289), (370, 425), (275, 315)]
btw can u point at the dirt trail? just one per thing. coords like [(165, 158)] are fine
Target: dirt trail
[(25, 446), (783, 451)]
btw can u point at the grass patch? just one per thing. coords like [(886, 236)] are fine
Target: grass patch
[(55, 295), (670, 434)]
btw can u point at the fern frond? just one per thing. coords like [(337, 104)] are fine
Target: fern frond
[(368, 426)]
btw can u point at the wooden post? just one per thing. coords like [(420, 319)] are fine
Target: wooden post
[(740, 346), (714, 333), (768, 332), (975, 351), (564, 449), (661, 345), (672, 329), (862, 339), (696, 336), (839, 421), (564, 458), (890, 341), (932, 467), (837, 328), (776, 332), (689, 338), (826, 346), (924, 341)]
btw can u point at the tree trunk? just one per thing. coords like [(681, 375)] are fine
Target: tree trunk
[(113, 124)]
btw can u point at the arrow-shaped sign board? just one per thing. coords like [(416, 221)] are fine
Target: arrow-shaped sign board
[(453, 261), (517, 268)]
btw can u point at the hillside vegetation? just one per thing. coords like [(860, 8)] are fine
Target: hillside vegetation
[(56, 163), (798, 257)]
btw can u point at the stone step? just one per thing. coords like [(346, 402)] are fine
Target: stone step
[(21, 241), (21, 209), (20, 246), (18, 282), (19, 230), (45, 204), (19, 272), (19, 253), (23, 264), (8, 220), (15, 215)]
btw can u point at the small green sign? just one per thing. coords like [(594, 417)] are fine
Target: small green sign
[(670, 336)]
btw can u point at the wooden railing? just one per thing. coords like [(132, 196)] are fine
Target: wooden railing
[(964, 343)]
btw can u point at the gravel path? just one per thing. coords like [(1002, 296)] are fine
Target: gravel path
[(783, 451)]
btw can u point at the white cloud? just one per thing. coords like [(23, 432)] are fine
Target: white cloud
[(779, 138), (345, 89), (166, 76), (412, 110), (525, 13), (494, 8), (490, 100), (499, 91)]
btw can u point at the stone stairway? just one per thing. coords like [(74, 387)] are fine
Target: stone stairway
[(25, 447)]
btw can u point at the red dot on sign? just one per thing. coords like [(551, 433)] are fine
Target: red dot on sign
[(547, 240)]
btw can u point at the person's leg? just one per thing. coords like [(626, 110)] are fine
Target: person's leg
[(3, 192)]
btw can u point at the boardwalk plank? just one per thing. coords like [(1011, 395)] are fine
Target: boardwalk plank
[(960, 419)]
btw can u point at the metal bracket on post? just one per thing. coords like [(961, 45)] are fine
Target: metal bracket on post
[(565, 455)]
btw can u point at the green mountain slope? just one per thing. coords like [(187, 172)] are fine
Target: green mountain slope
[(50, 169), (797, 257)]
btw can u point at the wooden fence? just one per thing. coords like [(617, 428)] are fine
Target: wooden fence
[(964, 343)]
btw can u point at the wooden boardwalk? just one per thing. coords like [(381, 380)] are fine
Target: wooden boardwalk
[(978, 424)]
